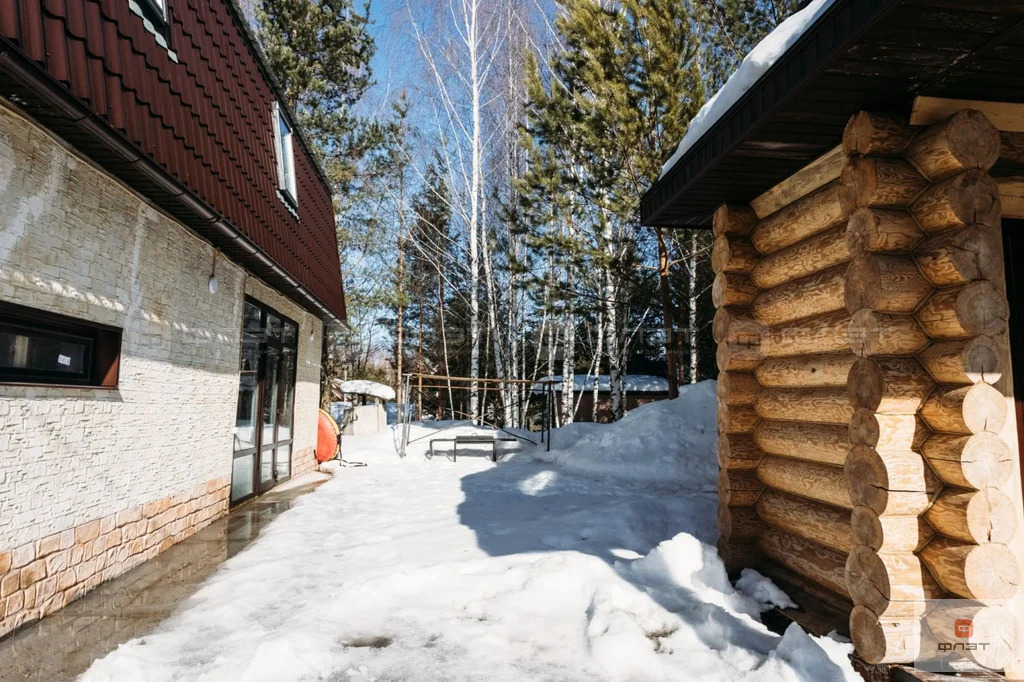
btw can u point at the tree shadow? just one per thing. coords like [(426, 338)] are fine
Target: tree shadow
[(524, 506)]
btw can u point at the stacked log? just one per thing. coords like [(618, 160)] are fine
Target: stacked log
[(927, 312), (739, 340), (861, 330), (966, 317), (783, 355), (789, 294), (890, 484)]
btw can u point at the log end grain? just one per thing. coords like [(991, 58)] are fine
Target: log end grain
[(873, 230), (877, 133), (894, 640), (733, 219)]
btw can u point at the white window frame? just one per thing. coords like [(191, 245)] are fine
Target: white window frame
[(284, 151)]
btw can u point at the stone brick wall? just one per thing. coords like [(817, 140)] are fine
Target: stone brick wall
[(41, 577), (75, 241)]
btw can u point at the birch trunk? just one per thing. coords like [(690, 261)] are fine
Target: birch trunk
[(444, 338), (568, 363), (399, 308), (614, 368), (598, 349), (493, 332), (667, 315), (473, 43), (692, 301)]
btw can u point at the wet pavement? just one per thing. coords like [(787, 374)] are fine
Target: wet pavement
[(62, 646)]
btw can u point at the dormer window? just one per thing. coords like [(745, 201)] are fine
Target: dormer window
[(285, 156)]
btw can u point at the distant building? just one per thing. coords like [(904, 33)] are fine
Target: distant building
[(640, 389), (167, 263), (360, 406)]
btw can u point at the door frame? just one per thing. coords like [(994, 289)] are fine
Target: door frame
[(266, 342), (1013, 235)]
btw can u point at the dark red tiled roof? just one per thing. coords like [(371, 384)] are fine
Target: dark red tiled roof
[(199, 128)]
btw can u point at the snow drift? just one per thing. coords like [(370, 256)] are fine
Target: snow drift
[(666, 443)]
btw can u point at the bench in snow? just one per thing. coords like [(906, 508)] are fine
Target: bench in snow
[(469, 440)]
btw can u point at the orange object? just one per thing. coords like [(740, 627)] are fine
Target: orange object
[(327, 443)]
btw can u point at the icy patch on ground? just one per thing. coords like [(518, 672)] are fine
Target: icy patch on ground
[(421, 569)]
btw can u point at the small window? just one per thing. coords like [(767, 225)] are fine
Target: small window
[(285, 155), (37, 347)]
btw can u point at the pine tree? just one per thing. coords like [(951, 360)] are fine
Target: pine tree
[(320, 52), (733, 28), (618, 98)]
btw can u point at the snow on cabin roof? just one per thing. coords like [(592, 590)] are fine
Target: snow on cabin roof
[(634, 383), (364, 387), (754, 65)]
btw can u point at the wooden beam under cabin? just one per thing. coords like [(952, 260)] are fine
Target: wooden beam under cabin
[(821, 171), (1005, 116)]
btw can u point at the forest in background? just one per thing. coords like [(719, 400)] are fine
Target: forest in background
[(487, 191)]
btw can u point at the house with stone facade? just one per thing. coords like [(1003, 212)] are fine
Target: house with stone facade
[(168, 262)]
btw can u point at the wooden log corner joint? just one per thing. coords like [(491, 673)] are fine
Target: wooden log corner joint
[(867, 442)]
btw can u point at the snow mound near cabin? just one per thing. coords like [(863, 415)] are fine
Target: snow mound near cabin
[(665, 443)]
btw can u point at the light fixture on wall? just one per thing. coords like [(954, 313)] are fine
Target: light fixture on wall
[(214, 284)]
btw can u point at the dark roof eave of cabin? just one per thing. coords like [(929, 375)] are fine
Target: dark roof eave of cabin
[(839, 25)]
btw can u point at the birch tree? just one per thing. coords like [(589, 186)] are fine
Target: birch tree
[(618, 96), (461, 69)]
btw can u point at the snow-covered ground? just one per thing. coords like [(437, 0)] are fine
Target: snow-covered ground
[(592, 562)]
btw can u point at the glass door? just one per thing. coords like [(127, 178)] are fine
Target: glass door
[(268, 421), (243, 468), (266, 397)]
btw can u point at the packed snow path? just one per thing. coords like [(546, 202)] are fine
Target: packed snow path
[(537, 568)]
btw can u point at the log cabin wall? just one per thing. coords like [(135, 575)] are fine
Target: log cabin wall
[(862, 335), (784, 412)]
